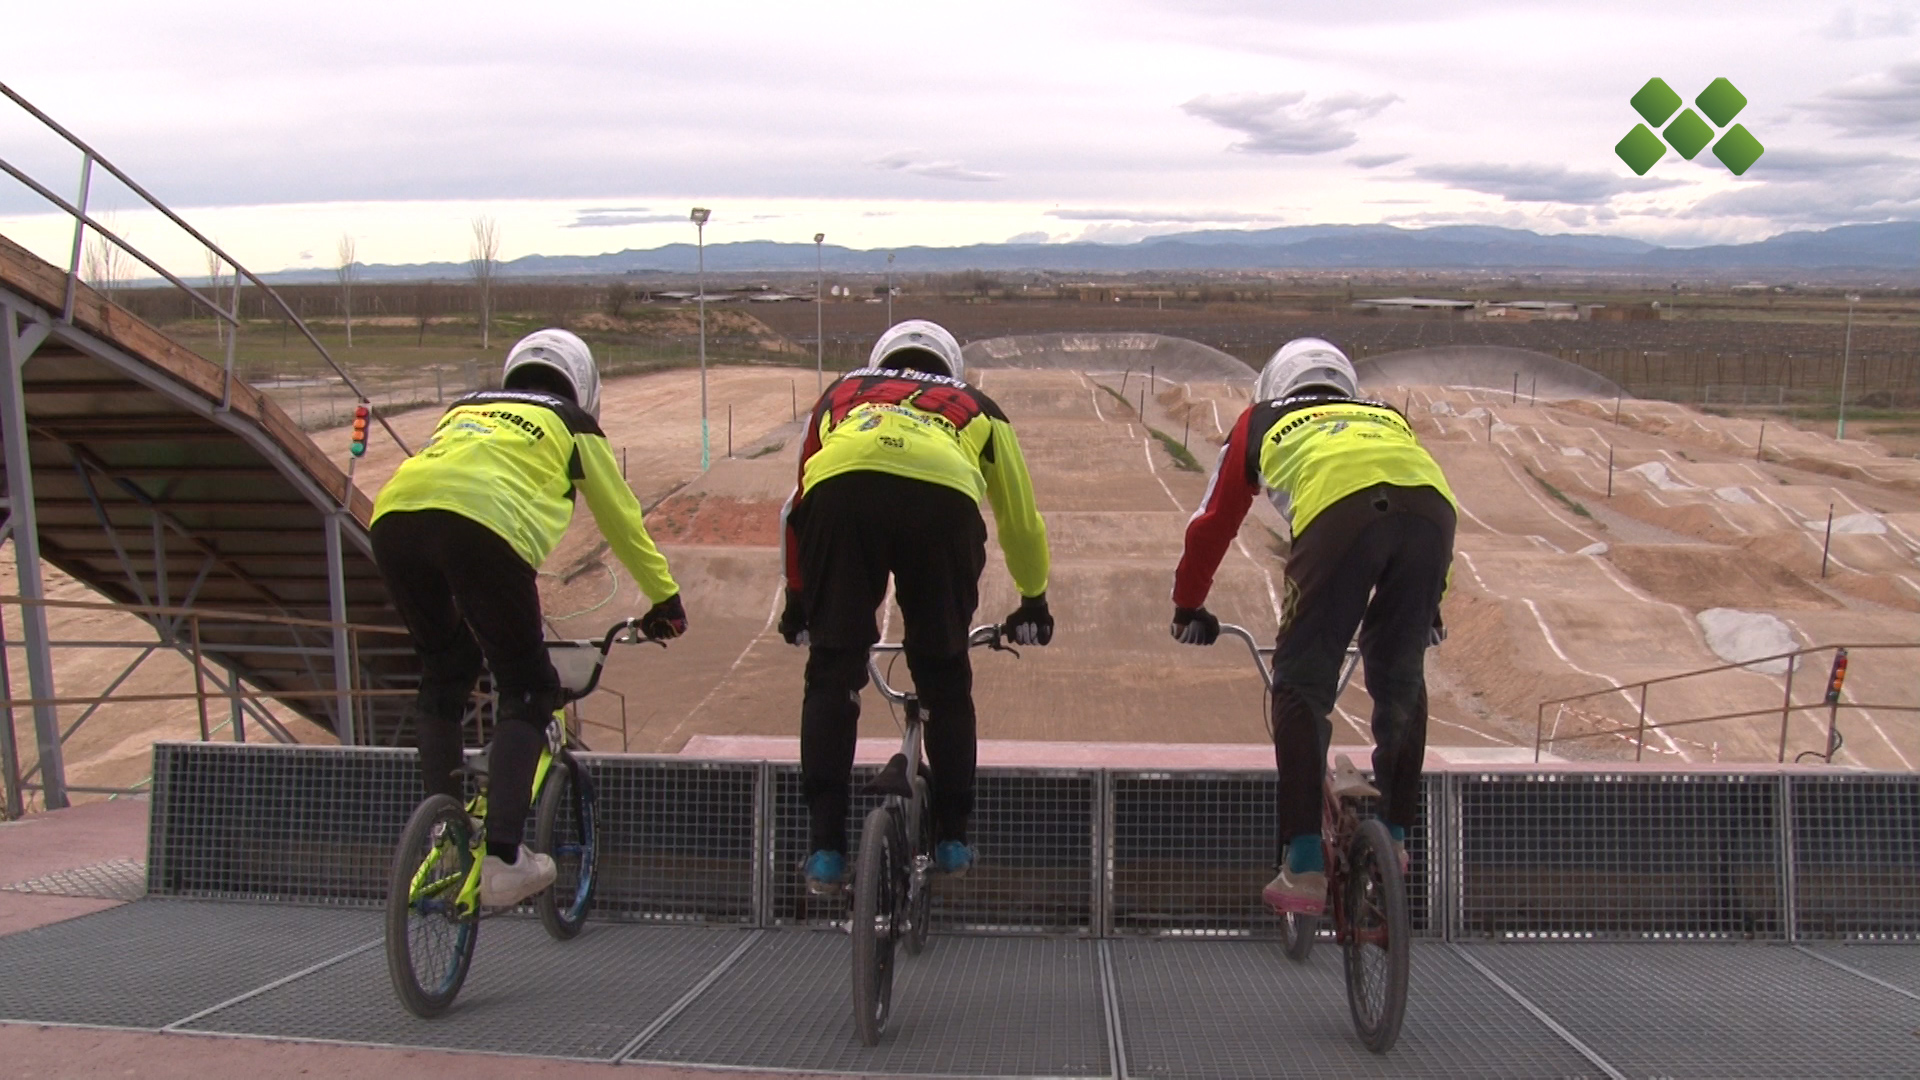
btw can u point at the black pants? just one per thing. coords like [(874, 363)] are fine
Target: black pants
[(468, 599), (1376, 560), (855, 530)]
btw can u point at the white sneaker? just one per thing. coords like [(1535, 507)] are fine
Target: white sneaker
[(1304, 893), (504, 884)]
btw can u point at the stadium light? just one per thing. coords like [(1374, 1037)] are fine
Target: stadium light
[(819, 315), (700, 216)]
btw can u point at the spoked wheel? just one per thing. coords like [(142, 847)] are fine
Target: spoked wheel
[(920, 899), (1300, 931), (564, 827), (879, 900), (1375, 939), (429, 945)]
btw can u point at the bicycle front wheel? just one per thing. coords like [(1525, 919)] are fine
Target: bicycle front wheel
[(1376, 937), (429, 943), (879, 894), (564, 827)]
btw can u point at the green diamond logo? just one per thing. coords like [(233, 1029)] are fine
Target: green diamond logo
[(1738, 149), (1640, 149), (1688, 134), (1656, 101), (1721, 102)]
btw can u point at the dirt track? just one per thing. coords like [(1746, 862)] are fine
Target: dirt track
[(1694, 522)]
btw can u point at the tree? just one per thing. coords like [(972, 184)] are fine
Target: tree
[(425, 297), (618, 295), (105, 266), (345, 274), (213, 294), (485, 260)]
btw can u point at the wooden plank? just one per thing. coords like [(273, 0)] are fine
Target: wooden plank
[(46, 285)]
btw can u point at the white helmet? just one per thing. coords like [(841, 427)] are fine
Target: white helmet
[(1305, 362), (564, 352), (922, 336)]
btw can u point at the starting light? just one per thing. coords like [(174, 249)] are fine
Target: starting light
[(1838, 679), (360, 416)]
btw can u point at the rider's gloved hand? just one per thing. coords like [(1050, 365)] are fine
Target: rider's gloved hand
[(1031, 623), (1436, 633), (793, 620), (666, 620), (1195, 626)]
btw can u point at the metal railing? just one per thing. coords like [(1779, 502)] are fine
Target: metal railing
[(229, 315), (1831, 701), (184, 631)]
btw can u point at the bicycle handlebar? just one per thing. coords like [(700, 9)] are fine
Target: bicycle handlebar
[(991, 635), (571, 657), (1260, 653)]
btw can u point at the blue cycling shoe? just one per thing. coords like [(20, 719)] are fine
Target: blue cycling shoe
[(952, 857), (825, 871)]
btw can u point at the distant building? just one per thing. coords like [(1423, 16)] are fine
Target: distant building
[(1414, 303), (1623, 313)]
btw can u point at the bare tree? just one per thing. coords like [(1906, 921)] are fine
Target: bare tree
[(104, 265), (345, 274), (486, 259), (213, 294), (619, 294), (425, 297)]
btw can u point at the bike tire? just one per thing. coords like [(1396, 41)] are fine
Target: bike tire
[(1300, 931), (920, 902), (429, 945), (877, 900), (565, 828), (1376, 938)]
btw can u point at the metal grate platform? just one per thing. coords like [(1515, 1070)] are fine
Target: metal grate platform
[(115, 879), (982, 1005), (1715, 1010)]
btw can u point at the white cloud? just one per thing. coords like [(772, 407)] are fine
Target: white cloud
[(1374, 161), (1536, 183), (1849, 24), (1885, 103), (1289, 123), (917, 163), (1161, 217)]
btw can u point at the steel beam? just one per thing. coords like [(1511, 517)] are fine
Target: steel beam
[(18, 340), (337, 606), (9, 753)]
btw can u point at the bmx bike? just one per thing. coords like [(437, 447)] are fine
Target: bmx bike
[(433, 894), (893, 879), (1366, 889)]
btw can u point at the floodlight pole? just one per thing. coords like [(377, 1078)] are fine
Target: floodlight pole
[(889, 290), (700, 215), (1846, 357), (819, 315)]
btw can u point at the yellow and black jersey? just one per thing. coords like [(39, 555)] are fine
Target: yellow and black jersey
[(1310, 451), (931, 428), (514, 461)]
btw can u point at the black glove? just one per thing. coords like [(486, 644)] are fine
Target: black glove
[(793, 620), (1436, 633), (1031, 623), (1195, 626), (666, 620)]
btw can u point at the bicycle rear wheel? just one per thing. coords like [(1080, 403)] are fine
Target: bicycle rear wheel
[(429, 944), (920, 899), (564, 827), (879, 894), (1300, 931), (1376, 937)]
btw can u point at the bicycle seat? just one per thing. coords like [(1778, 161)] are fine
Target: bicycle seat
[(1348, 783), (891, 780)]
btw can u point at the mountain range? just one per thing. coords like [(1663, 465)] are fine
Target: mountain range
[(1891, 246)]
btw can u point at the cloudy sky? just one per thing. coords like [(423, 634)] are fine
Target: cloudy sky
[(584, 128)]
